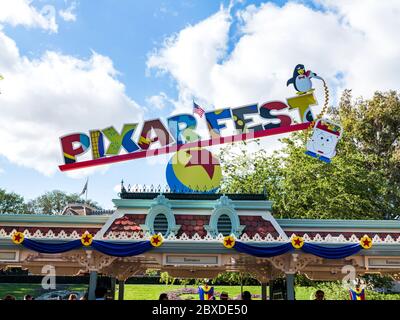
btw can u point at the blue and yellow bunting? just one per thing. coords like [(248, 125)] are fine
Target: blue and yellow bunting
[(298, 243)]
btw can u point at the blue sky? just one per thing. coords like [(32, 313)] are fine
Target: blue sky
[(126, 31), (256, 39)]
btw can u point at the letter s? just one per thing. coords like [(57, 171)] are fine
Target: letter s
[(265, 112)]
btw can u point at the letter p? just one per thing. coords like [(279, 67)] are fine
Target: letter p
[(74, 145)]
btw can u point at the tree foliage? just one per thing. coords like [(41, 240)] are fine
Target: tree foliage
[(55, 201), (52, 202), (362, 182), (234, 278), (11, 202), (166, 278)]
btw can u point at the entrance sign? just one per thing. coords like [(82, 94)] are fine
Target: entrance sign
[(382, 262), (180, 133), (191, 260), (8, 256)]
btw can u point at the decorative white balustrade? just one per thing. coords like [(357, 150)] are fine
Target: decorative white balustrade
[(317, 238)]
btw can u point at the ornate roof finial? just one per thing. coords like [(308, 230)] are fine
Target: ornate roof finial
[(123, 190)]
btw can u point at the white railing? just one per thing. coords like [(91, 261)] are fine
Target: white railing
[(269, 238)]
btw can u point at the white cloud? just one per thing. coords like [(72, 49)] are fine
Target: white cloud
[(352, 44), (117, 188), (46, 98), (158, 101), (190, 55), (1, 171), (87, 172), (21, 12), (68, 14)]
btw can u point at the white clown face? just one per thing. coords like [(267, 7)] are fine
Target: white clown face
[(323, 143)]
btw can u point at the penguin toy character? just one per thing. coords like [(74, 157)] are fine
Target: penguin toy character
[(301, 79)]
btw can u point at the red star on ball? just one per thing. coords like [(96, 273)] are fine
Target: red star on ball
[(204, 158), (366, 242), (86, 239), (17, 237), (228, 242), (297, 242), (156, 240)]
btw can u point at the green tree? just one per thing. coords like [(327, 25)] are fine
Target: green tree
[(373, 127), (234, 278), (166, 278), (11, 202), (54, 202), (362, 182)]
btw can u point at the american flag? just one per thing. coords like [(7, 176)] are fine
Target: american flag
[(85, 187), (197, 109)]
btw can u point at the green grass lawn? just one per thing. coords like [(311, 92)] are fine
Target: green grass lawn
[(19, 290), (152, 292)]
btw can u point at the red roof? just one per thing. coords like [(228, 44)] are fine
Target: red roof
[(128, 223)]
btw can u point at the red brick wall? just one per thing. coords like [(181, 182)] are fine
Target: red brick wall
[(128, 223), (191, 224), (256, 224)]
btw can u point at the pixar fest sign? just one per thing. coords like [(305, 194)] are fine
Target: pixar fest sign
[(193, 168)]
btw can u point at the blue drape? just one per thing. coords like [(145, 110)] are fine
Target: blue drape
[(109, 248), (264, 252), (317, 250), (121, 249), (51, 248), (331, 252), (132, 249)]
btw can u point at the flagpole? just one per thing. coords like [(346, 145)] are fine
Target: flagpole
[(86, 192), (87, 185)]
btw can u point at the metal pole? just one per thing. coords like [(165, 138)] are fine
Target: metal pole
[(121, 289), (263, 291), (290, 286), (113, 283), (271, 289), (92, 285), (84, 205)]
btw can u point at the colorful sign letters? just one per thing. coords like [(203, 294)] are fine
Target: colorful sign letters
[(180, 130)]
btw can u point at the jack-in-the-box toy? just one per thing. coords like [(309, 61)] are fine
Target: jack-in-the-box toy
[(324, 140)]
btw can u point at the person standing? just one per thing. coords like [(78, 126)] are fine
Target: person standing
[(206, 292), (72, 296), (358, 293), (246, 295), (319, 295), (224, 296), (163, 296)]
